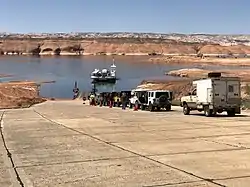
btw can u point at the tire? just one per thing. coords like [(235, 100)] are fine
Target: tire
[(168, 107), (208, 112), (163, 99), (186, 109), (142, 107), (151, 107), (231, 113)]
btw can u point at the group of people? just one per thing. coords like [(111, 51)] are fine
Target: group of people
[(103, 99), (108, 99)]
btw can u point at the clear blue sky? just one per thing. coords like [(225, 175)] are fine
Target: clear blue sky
[(164, 16)]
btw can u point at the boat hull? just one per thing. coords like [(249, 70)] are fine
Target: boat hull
[(104, 79)]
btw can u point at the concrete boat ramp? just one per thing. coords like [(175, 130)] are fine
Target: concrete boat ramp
[(66, 143)]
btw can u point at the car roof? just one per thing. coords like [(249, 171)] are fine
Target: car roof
[(148, 90), (140, 90)]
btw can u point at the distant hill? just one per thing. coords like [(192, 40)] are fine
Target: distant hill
[(197, 37), (119, 43)]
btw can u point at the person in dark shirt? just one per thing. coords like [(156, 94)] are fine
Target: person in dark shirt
[(105, 99), (123, 101), (101, 99), (111, 100)]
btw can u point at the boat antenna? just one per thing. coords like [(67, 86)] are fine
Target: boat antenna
[(75, 86)]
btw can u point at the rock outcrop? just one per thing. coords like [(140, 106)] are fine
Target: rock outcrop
[(19, 95)]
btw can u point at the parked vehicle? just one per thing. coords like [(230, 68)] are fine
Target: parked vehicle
[(151, 99), (136, 96), (214, 95)]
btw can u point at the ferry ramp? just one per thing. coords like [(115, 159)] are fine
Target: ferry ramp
[(67, 143)]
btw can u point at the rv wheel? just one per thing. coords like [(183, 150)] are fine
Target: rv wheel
[(168, 108), (207, 111), (186, 109), (231, 113), (142, 107)]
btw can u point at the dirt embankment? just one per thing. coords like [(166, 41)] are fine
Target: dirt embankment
[(19, 95), (179, 87)]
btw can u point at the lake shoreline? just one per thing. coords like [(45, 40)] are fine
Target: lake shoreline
[(169, 59), (205, 61)]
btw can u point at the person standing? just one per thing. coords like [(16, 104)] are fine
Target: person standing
[(105, 99), (101, 99), (92, 99), (111, 100), (75, 91), (123, 101)]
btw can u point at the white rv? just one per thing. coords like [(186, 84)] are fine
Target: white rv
[(214, 95)]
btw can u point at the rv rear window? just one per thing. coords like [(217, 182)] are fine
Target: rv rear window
[(230, 88)]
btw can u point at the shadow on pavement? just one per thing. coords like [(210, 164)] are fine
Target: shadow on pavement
[(221, 115)]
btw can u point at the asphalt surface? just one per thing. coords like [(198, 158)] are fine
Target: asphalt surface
[(66, 143)]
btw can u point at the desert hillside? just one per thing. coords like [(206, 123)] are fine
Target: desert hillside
[(118, 46)]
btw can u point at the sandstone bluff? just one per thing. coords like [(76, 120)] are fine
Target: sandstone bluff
[(114, 46)]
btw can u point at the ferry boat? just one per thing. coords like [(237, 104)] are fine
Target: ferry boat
[(105, 75)]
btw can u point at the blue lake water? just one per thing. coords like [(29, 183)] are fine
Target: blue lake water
[(66, 70)]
